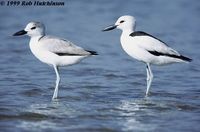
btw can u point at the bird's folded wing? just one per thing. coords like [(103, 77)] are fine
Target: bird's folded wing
[(61, 46), (153, 44)]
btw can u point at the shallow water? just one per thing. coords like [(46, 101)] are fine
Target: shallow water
[(105, 92)]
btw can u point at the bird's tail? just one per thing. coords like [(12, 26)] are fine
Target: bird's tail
[(92, 52), (184, 58)]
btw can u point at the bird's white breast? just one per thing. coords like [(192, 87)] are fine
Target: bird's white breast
[(132, 48), (40, 52)]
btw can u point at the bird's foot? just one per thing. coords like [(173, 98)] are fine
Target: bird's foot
[(55, 97)]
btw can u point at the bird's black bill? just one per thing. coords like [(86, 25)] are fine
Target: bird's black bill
[(22, 32), (110, 28)]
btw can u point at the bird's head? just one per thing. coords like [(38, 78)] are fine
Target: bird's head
[(124, 23), (32, 29)]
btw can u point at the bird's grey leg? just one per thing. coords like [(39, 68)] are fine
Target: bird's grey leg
[(149, 78), (147, 74), (55, 95)]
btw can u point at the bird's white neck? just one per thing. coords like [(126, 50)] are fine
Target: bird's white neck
[(36, 38), (124, 35), (127, 32)]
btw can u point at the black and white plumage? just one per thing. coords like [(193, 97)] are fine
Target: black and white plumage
[(145, 47), (53, 50)]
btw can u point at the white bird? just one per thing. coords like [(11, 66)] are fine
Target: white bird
[(53, 50), (145, 47)]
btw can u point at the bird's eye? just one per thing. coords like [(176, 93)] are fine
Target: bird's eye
[(121, 21), (33, 28)]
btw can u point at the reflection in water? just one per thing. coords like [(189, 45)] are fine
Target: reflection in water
[(54, 109), (52, 112), (38, 126), (132, 110)]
